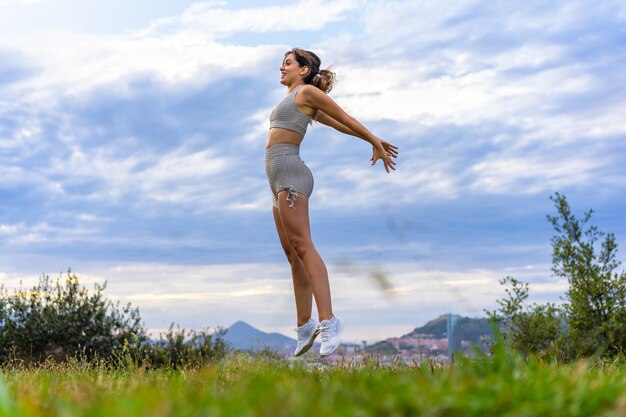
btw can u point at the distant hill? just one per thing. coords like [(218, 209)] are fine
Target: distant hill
[(242, 336), (382, 348), (469, 329)]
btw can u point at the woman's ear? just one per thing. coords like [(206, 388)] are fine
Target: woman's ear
[(304, 71)]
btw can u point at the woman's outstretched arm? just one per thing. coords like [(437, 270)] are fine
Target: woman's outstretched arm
[(331, 114), (325, 119)]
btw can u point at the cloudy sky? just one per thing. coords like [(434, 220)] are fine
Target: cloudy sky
[(132, 143)]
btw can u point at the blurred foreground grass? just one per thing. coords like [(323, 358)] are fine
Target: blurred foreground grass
[(240, 385)]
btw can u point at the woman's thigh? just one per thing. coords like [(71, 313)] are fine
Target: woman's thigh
[(284, 240), (295, 220)]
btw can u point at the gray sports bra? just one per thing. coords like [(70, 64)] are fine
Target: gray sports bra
[(287, 116)]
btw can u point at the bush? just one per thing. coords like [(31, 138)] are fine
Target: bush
[(61, 320), (595, 305), (180, 348), (592, 319), (535, 329)]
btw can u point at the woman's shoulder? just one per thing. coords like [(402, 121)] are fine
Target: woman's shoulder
[(311, 96), (309, 90), (308, 87)]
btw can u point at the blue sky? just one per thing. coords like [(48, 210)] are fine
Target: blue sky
[(132, 143)]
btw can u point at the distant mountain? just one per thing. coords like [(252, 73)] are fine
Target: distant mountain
[(468, 329), (242, 336)]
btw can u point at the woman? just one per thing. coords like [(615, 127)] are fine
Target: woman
[(291, 183)]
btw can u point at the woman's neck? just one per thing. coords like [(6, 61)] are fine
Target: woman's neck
[(293, 86)]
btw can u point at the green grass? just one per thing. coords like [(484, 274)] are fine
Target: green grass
[(504, 385)]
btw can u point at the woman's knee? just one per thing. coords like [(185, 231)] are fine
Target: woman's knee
[(300, 245), (292, 255)]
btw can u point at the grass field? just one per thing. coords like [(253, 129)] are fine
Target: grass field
[(504, 385)]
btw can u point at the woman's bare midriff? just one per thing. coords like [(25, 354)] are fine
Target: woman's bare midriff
[(279, 135)]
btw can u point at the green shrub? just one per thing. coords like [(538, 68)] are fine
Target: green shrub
[(180, 348), (535, 329), (595, 305), (61, 319), (592, 319)]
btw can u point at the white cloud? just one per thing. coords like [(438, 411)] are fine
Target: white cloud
[(180, 176), (357, 187), (466, 99), (533, 174), (9, 2), (431, 63), (467, 93), (181, 50), (185, 176), (389, 22), (9, 229), (216, 21), (72, 65), (23, 234)]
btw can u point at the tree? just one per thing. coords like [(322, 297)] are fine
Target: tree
[(592, 318)]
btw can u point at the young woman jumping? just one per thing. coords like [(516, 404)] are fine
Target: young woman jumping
[(291, 183)]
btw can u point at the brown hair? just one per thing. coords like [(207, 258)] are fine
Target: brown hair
[(322, 79)]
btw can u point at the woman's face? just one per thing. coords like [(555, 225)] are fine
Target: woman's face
[(291, 71)]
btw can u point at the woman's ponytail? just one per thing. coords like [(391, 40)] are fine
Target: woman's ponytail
[(324, 80)]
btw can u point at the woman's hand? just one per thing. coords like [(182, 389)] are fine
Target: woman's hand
[(385, 151)]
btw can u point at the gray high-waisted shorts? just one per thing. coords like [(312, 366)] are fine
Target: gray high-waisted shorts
[(286, 171)]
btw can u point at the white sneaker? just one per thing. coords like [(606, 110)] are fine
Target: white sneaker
[(306, 336), (331, 335)]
